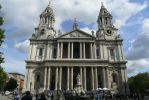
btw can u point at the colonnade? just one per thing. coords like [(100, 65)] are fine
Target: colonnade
[(82, 49), (70, 79)]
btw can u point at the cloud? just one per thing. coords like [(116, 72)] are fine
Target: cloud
[(22, 16), (137, 66), (12, 65), (145, 26), (138, 52), (123, 10), (139, 47), (22, 46)]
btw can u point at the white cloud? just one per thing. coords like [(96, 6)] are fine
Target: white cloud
[(12, 65), (22, 16), (22, 46), (137, 66), (138, 54), (145, 26)]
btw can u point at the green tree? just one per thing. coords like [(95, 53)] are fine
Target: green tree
[(139, 83), (1, 36), (2, 73), (11, 85), (3, 78)]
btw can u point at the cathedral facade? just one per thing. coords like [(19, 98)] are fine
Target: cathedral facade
[(55, 58)]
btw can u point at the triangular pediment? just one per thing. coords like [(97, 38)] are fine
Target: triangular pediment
[(76, 34)]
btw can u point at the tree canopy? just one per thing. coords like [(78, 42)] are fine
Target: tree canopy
[(1, 35), (11, 85), (3, 78), (3, 75), (139, 83)]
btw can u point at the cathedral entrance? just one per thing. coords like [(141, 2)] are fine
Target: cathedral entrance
[(52, 87), (76, 71), (64, 75), (89, 80)]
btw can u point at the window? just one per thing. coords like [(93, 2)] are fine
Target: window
[(114, 76), (54, 51), (97, 51), (106, 20), (112, 52), (42, 31), (38, 78), (41, 52)]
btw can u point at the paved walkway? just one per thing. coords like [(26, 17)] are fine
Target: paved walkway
[(5, 97)]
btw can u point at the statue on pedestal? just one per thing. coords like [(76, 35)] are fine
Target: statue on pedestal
[(78, 88)]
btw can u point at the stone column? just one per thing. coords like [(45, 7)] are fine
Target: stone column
[(68, 79), (122, 53), (96, 78), (56, 78), (33, 82), (92, 72), (95, 54), (84, 78), (45, 78), (61, 49), (84, 56), (72, 50), (101, 52), (91, 51), (49, 78), (80, 50), (29, 81), (71, 78), (81, 74), (26, 79), (107, 78), (58, 50), (60, 78), (68, 49), (48, 52), (51, 49), (103, 75)]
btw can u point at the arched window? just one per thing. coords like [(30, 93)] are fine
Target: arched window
[(38, 78), (40, 52), (114, 77), (42, 31)]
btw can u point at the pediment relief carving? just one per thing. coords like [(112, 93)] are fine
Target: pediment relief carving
[(76, 34)]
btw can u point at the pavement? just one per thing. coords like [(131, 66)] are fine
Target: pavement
[(6, 97)]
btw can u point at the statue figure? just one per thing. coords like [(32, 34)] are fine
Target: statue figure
[(78, 88), (78, 79)]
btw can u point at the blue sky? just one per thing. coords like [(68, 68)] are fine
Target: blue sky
[(131, 17)]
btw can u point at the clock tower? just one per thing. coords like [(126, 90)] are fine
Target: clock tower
[(106, 29), (45, 29)]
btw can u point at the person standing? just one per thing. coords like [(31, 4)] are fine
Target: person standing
[(42, 97), (27, 96), (16, 97), (49, 95)]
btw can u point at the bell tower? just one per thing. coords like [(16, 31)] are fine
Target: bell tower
[(45, 29), (47, 18), (105, 25)]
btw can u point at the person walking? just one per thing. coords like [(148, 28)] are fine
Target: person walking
[(42, 97), (27, 96), (49, 95), (16, 96)]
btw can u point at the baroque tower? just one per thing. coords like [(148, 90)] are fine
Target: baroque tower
[(46, 28)]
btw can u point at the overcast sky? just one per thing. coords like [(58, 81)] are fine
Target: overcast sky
[(131, 17)]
